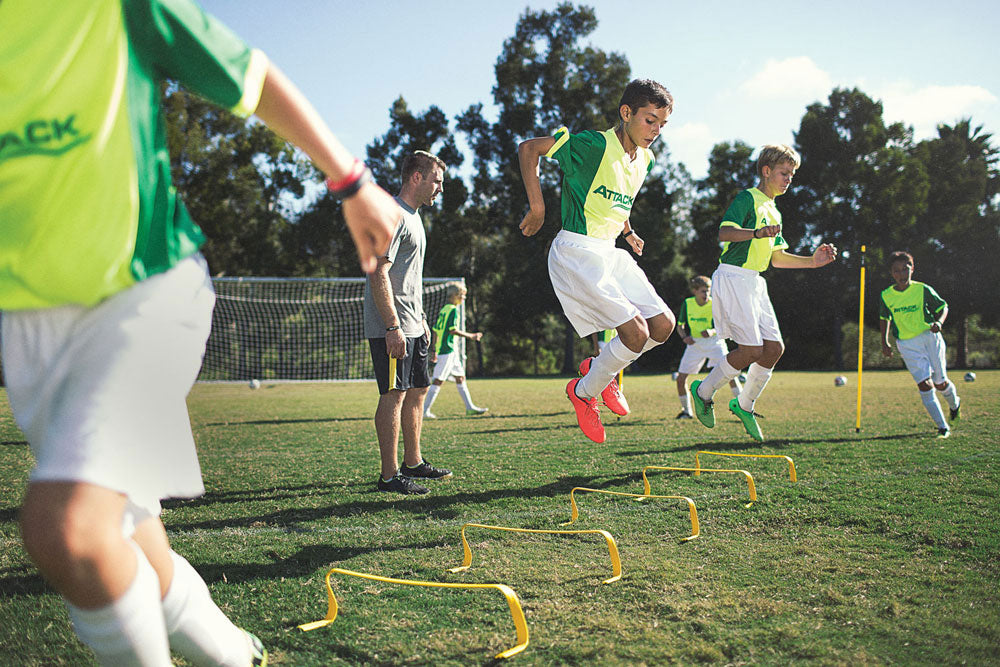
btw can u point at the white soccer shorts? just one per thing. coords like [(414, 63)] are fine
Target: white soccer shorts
[(598, 285), (100, 392), (711, 349), (448, 366), (924, 356), (741, 307)]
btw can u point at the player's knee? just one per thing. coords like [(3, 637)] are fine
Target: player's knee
[(63, 535), (942, 386), (925, 385)]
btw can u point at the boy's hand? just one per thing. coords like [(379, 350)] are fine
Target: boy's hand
[(886, 350), (936, 327), (532, 222), (824, 254), (478, 336), (371, 216), (769, 230), (688, 340), (636, 242)]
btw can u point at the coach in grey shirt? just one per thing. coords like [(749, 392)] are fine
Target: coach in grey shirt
[(396, 329)]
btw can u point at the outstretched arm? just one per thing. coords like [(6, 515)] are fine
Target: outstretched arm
[(823, 255), (883, 326), (528, 154), (371, 214)]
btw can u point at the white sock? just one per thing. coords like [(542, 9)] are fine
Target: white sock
[(930, 401), (757, 377), (129, 631), (432, 394), (720, 375), (951, 395), (463, 391), (198, 629), (734, 386), (650, 344), (685, 402), (614, 357)]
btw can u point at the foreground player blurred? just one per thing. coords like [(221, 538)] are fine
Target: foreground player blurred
[(914, 314), (108, 303), (752, 241), (599, 286)]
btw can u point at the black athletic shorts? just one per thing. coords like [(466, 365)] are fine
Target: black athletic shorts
[(411, 370)]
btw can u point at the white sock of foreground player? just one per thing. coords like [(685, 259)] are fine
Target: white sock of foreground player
[(718, 376), (757, 377), (432, 394), (130, 631), (685, 403), (735, 387), (951, 395), (930, 401), (605, 366), (463, 391), (198, 629)]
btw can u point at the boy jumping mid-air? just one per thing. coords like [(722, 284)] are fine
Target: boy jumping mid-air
[(599, 286), (751, 236), (914, 313)]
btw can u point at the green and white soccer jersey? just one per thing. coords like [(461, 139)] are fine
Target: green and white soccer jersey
[(694, 317), (447, 321), (87, 206), (911, 311), (751, 209), (600, 181)]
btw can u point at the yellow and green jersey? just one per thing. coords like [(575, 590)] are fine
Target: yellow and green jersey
[(751, 209), (911, 311), (694, 317), (444, 327), (600, 181), (606, 335), (87, 207)]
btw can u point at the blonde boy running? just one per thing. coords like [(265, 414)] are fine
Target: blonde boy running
[(599, 286), (914, 314), (751, 236), (696, 327)]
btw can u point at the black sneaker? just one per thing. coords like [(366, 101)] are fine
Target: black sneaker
[(955, 413), (400, 484), (943, 433), (424, 471), (683, 415)]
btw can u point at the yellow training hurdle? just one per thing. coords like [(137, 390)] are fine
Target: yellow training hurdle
[(791, 463), (695, 530), (750, 485)]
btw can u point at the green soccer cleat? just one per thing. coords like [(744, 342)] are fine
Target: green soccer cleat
[(704, 411), (748, 419), (258, 656), (944, 433)]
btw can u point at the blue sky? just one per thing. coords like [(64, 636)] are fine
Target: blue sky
[(738, 70)]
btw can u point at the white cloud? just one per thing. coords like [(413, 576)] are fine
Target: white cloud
[(927, 106), (691, 143), (796, 79)]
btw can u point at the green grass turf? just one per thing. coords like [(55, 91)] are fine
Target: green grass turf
[(887, 549)]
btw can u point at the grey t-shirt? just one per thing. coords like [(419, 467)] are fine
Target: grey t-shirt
[(406, 272)]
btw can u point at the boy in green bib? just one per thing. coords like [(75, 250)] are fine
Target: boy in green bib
[(913, 313)]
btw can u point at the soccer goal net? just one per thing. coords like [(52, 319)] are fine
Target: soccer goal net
[(288, 329)]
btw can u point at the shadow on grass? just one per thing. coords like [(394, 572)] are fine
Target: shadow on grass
[(776, 443), (282, 422), (13, 443)]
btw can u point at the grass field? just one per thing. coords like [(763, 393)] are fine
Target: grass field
[(886, 550)]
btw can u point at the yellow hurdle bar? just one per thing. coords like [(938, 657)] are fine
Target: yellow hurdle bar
[(616, 563), (392, 372), (512, 601), (695, 530), (750, 485), (791, 464)]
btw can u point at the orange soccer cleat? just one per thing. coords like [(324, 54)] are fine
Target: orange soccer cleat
[(612, 395), (587, 414)]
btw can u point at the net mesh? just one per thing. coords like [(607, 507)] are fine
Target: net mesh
[(298, 329)]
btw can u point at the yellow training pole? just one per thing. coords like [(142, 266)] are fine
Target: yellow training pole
[(861, 339), (392, 372)]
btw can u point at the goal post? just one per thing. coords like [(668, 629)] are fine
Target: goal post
[(298, 329)]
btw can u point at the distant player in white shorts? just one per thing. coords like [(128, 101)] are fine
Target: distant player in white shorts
[(107, 302), (696, 328), (913, 313), (446, 355), (751, 234), (599, 286)]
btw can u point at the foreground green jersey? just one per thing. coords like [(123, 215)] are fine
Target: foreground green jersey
[(447, 321), (87, 207), (600, 181), (694, 317), (751, 209), (911, 311)]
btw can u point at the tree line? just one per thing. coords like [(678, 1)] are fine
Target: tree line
[(862, 182)]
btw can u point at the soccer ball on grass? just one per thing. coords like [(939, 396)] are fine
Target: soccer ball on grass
[(839, 381), (970, 377), (255, 383)]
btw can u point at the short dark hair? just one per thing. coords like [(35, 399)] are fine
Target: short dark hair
[(421, 161), (640, 92), (900, 256)]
